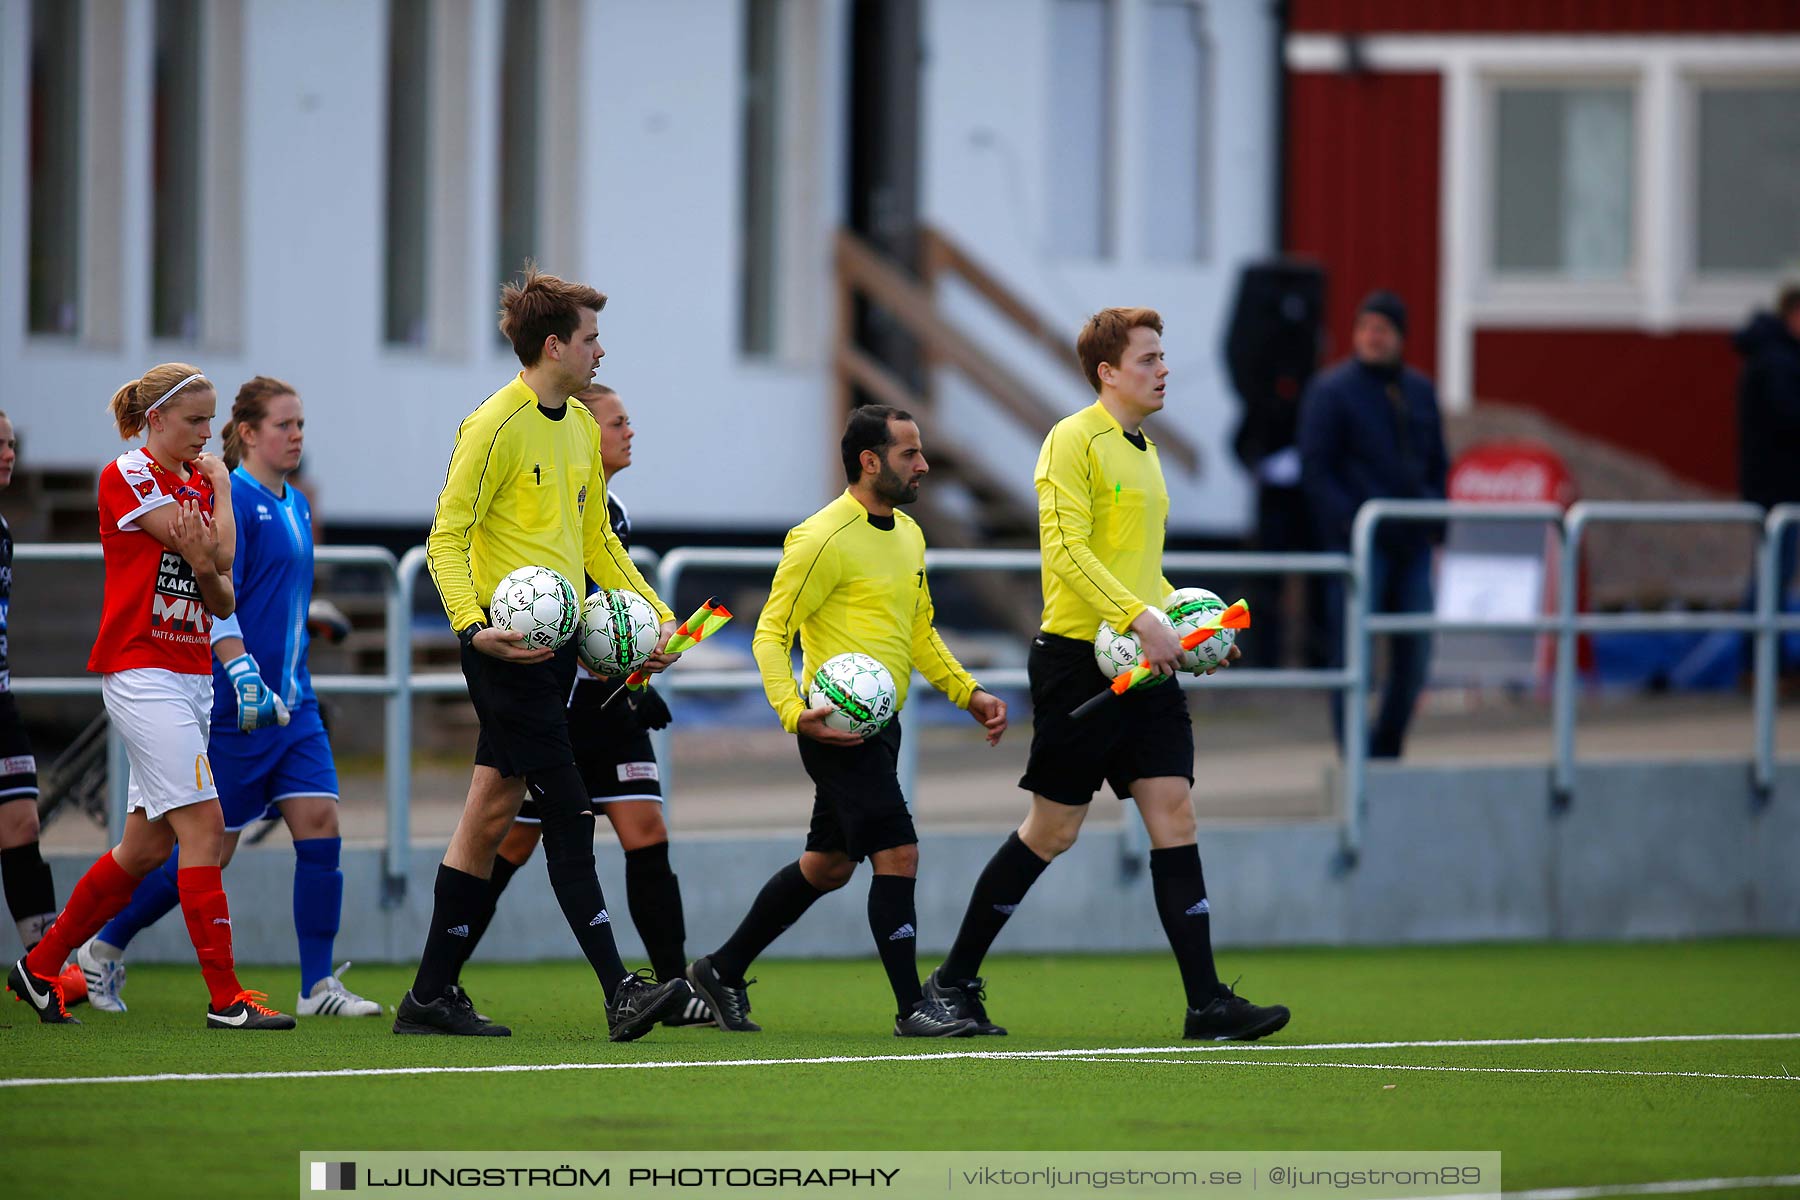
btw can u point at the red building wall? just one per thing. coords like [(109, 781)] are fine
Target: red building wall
[(1670, 396), (1543, 16), (1362, 195)]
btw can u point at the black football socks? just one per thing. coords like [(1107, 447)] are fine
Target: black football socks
[(459, 900), (1180, 891), (894, 922), (782, 901), (654, 895), (1000, 890)]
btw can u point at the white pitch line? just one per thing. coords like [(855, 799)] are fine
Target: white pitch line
[(840, 1060), (1668, 1187), (1251, 1062)]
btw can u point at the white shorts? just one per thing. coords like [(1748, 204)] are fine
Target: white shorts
[(165, 719)]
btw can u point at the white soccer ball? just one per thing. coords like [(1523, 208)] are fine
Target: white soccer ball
[(860, 691), (538, 603), (1117, 651), (1189, 608), (619, 632)]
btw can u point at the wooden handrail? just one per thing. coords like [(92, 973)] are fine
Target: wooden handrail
[(940, 254), (861, 270), (907, 301), (868, 374)]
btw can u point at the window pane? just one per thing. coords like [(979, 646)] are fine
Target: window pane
[(1563, 166), (55, 189), (521, 70), (756, 326), (408, 161), (1749, 179), (175, 170), (1081, 118), (1178, 58)]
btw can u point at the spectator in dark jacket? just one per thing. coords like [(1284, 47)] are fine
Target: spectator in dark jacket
[(1769, 420), (1370, 429), (1769, 403)]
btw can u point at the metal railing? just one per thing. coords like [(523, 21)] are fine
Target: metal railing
[(1572, 623), (939, 562), (1567, 623), (326, 685), (407, 685), (399, 684), (1361, 623), (1771, 623)]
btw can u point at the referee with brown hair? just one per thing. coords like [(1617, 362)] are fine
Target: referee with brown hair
[(1102, 510), (525, 488)]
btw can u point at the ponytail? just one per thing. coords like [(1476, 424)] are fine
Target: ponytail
[(232, 448), (128, 412), (132, 403)]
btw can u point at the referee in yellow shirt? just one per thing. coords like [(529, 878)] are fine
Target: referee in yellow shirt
[(852, 578), (525, 488), (1102, 510)]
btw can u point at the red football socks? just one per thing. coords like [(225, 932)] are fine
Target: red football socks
[(97, 899), (208, 919)]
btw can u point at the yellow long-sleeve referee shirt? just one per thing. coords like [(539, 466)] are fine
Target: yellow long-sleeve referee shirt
[(524, 489), (846, 584), (1102, 513)]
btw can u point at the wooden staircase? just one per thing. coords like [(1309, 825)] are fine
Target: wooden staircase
[(999, 513)]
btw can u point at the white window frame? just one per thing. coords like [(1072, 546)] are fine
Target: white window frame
[(1512, 294), (220, 278), (1136, 112), (1118, 212), (808, 118), (1666, 293), (1714, 295), (556, 225)]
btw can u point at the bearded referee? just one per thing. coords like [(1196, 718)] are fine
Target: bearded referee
[(852, 578), (1102, 508), (525, 488)]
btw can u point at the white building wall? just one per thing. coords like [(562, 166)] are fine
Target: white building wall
[(987, 142), (724, 440)]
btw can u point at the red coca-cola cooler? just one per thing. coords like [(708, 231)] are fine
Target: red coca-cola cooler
[(1505, 570)]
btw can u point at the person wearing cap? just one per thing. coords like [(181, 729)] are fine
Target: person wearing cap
[(1370, 429)]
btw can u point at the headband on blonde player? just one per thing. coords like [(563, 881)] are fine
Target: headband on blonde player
[(171, 392)]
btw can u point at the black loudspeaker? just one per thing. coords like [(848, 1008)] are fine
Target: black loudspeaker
[(1272, 348)]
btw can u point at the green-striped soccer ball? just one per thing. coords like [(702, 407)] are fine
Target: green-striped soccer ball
[(860, 691), (1188, 608), (1117, 651), (538, 603), (619, 631)]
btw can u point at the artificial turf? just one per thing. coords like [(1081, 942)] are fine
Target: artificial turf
[(1563, 1114)]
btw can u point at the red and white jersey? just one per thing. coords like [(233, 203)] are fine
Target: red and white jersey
[(153, 615)]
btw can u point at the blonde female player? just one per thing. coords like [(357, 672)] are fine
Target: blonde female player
[(168, 537), (269, 750)]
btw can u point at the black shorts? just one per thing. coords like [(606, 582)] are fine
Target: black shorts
[(612, 750), (523, 711), (1144, 734), (18, 769), (857, 806)]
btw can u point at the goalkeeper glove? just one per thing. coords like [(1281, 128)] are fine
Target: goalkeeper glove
[(258, 707), (326, 620), (650, 709)]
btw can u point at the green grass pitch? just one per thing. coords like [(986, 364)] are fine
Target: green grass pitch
[(1563, 1113)]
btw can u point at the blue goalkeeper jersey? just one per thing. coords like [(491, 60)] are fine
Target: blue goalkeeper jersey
[(273, 576)]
